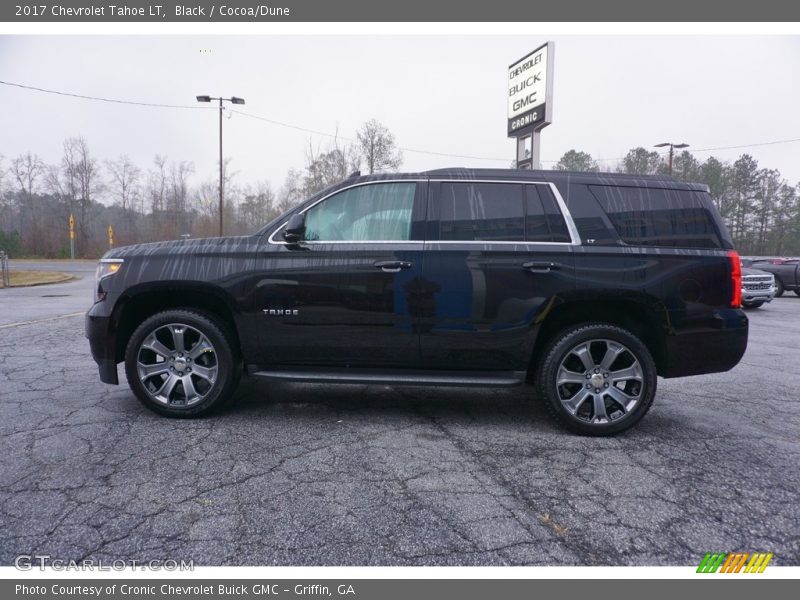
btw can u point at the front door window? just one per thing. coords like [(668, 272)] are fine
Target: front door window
[(378, 212)]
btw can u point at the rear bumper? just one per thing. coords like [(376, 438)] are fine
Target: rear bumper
[(714, 346), (100, 332)]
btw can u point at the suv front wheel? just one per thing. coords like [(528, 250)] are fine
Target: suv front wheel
[(181, 363), (597, 379)]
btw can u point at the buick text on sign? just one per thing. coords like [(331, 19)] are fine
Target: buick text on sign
[(527, 83)]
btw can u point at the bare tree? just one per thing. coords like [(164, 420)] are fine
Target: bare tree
[(178, 196), (377, 147), (328, 168), (124, 176), (83, 176), (291, 192), (257, 207), (27, 169), (6, 207), (124, 183), (157, 184)]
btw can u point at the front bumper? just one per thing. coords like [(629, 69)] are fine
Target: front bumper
[(766, 295), (100, 331)]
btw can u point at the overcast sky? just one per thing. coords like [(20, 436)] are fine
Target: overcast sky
[(437, 93)]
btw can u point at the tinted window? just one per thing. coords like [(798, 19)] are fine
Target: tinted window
[(657, 217), (536, 226), (555, 220), (376, 212), (592, 223), (481, 211)]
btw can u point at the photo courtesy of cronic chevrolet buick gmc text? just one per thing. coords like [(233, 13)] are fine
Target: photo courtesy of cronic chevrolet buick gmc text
[(586, 285)]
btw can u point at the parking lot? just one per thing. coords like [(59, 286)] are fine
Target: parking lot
[(316, 474)]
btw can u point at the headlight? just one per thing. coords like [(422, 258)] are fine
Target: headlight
[(105, 268)]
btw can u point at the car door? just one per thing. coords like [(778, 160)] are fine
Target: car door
[(499, 253), (339, 296)]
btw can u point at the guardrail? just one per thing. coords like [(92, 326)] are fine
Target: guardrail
[(4, 277)]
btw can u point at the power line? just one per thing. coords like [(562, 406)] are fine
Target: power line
[(748, 145), (99, 99), (350, 139)]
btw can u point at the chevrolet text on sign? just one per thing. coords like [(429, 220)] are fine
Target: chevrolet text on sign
[(528, 90)]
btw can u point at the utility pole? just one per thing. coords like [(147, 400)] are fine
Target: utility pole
[(232, 100), (671, 150)]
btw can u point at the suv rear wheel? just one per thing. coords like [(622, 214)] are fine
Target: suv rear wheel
[(181, 363), (597, 379)]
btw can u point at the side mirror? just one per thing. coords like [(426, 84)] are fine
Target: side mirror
[(295, 228)]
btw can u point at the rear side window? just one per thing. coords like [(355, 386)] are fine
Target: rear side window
[(505, 212), (544, 221), (481, 212), (659, 217)]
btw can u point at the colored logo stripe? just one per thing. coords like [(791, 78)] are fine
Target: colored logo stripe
[(734, 561), (758, 563), (711, 562)]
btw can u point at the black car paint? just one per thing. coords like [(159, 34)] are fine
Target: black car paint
[(457, 307)]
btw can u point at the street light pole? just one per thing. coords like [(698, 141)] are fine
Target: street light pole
[(221, 178), (232, 100), (671, 149)]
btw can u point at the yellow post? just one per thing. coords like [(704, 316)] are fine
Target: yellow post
[(71, 236), (110, 236)]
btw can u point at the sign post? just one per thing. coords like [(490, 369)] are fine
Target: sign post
[(110, 236), (71, 236), (530, 102)]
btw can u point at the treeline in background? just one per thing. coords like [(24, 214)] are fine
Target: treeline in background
[(163, 200)]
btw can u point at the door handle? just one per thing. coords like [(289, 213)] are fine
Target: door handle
[(392, 266), (541, 266)]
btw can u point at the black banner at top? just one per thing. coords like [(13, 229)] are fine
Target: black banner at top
[(407, 11)]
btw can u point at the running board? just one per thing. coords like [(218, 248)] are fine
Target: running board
[(395, 377)]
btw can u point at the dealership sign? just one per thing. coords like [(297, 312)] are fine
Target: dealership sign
[(530, 91)]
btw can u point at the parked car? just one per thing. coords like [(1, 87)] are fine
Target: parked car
[(785, 270), (758, 287), (587, 285)]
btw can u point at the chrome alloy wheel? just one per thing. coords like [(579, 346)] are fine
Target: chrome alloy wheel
[(177, 365), (600, 381)]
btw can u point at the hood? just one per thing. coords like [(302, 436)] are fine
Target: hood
[(184, 246), (750, 271)]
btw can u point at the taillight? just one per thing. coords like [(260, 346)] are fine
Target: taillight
[(736, 279)]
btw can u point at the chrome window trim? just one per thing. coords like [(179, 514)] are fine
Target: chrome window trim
[(566, 215)]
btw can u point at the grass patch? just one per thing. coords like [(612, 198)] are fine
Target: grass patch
[(24, 278)]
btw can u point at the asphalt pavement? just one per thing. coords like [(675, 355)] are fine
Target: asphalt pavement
[(48, 301), (360, 475)]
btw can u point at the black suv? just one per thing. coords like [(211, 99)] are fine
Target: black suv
[(586, 285)]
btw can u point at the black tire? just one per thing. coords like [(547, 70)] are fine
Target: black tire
[(797, 292), (779, 289), (752, 304), (561, 349), (222, 359)]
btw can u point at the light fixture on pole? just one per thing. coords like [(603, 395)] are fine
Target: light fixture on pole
[(232, 100), (671, 149)]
